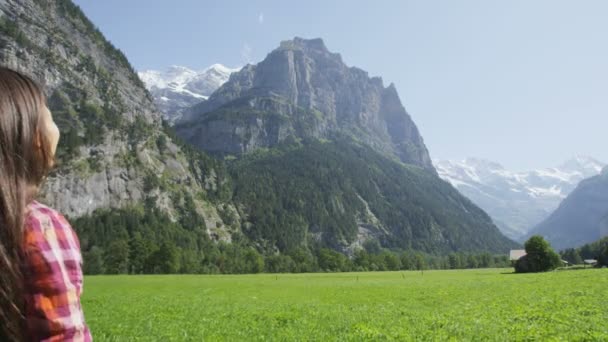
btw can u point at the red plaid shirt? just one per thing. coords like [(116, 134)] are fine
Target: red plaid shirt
[(53, 277)]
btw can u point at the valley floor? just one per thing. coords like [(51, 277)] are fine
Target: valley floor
[(489, 304)]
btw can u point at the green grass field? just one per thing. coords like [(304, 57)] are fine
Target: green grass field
[(439, 305)]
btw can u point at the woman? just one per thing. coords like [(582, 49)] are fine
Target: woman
[(40, 260)]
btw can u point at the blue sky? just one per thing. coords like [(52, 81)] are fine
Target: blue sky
[(523, 83)]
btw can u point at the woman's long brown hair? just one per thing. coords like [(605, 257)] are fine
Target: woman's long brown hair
[(23, 166)]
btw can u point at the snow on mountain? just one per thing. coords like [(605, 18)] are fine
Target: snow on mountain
[(178, 87), (517, 201)]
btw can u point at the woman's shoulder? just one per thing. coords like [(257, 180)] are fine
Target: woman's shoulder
[(44, 225), (38, 210)]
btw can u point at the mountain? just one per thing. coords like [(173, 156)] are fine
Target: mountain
[(144, 201), (114, 152), (581, 218), (343, 193), (178, 87), (301, 90), (516, 201), (320, 153)]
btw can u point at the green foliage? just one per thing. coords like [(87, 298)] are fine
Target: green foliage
[(10, 28), (372, 246), (138, 251), (166, 258), (94, 261), (419, 262), (572, 256), (139, 130), (227, 215), (86, 64), (117, 257), (254, 262), (73, 13), (81, 122), (144, 240), (279, 264), (161, 143), (304, 260), (95, 161), (204, 168), (63, 105), (70, 142), (151, 182), (330, 260), (137, 240), (188, 216), (391, 261), (479, 305), (603, 258), (597, 250), (539, 257), (454, 261), (92, 116), (295, 191)]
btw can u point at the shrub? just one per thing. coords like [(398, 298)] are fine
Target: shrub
[(539, 257)]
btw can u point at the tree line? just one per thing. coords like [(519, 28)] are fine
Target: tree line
[(597, 250), (139, 240)]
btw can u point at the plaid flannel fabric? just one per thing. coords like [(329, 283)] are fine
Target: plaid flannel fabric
[(53, 277)]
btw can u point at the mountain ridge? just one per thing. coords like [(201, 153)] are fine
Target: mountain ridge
[(307, 92), (517, 200), (581, 218), (292, 111)]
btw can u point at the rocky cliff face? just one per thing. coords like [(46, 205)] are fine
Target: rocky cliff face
[(300, 91), (113, 151)]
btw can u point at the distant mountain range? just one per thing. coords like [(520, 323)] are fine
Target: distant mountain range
[(179, 87), (581, 218), (517, 201)]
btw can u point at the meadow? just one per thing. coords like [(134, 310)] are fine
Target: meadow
[(487, 304)]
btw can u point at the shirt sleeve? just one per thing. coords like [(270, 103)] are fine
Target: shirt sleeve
[(53, 279)]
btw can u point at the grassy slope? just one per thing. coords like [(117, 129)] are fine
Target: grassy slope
[(465, 305)]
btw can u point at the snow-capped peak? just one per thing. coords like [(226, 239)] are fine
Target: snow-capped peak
[(221, 69), (582, 162), (516, 200), (179, 87), (484, 171), (178, 77)]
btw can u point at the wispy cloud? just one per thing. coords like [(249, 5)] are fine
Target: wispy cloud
[(261, 18), (246, 51)]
